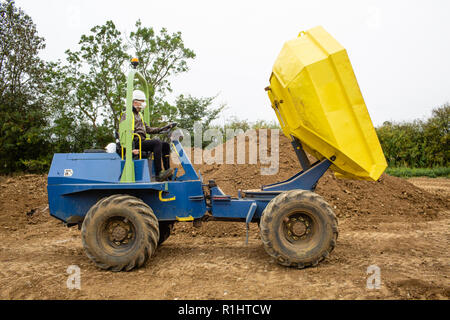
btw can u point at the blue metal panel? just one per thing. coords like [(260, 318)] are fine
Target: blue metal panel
[(183, 199), (76, 168), (85, 168), (251, 212), (77, 181), (66, 201), (232, 208), (224, 206), (189, 170), (305, 180), (261, 199), (141, 170), (67, 207)]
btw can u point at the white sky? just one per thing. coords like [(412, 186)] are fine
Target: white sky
[(400, 50)]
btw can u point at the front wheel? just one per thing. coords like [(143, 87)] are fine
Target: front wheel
[(120, 233), (299, 229)]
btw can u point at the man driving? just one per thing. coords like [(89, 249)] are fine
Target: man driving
[(161, 150)]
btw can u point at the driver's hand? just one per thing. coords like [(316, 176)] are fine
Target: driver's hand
[(168, 127)]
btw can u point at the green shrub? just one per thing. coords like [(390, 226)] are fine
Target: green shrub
[(419, 172), (36, 166), (418, 144)]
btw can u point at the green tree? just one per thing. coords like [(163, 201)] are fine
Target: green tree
[(418, 144), (436, 133), (161, 55), (97, 73), (23, 115), (402, 143), (189, 110), (49, 107), (20, 44)]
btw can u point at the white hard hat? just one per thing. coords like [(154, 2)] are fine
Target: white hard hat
[(138, 95), (111, 148)]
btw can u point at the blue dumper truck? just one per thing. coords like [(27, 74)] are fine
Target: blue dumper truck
[(124, 213)]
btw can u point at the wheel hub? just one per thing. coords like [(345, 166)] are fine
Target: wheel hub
[(297, 228), (120, 232)]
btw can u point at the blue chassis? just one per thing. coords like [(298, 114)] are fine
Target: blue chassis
[(77, 181)]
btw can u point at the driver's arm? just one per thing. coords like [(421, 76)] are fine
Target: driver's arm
[(151, 130)]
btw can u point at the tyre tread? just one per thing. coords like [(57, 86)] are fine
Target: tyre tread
[(150, 241), (268, 218)]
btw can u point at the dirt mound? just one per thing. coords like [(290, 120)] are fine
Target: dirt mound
[(349, 198), (388, 195), (23, 201)]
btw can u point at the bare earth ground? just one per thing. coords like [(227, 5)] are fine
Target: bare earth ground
[(410, 248), (440, 186)]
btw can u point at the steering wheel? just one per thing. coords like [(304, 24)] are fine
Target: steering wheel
[(167, 129)]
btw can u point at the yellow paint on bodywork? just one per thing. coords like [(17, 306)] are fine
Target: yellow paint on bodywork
[(165, 200), (186, 219)]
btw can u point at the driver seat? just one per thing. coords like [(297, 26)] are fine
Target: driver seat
[(145, 155)]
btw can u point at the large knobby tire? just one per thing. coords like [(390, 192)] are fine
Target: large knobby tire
[(299, 229), (120, 233)]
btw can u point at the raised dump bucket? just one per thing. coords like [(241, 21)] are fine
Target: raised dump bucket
[(316, 97)]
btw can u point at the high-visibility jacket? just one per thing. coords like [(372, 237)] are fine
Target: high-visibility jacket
[(139, 126)]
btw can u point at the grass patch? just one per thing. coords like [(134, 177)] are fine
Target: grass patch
[(404, 172)]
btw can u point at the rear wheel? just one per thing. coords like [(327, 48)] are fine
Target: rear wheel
[(299, 229), (120, 233)]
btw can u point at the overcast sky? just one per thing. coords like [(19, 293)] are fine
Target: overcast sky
[(400, 50)]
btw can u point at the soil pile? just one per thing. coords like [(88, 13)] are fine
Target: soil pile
[(349, 198), (388, 195), (23, 201)]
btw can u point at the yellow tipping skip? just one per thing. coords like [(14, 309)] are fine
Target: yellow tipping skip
[(316, 97)]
